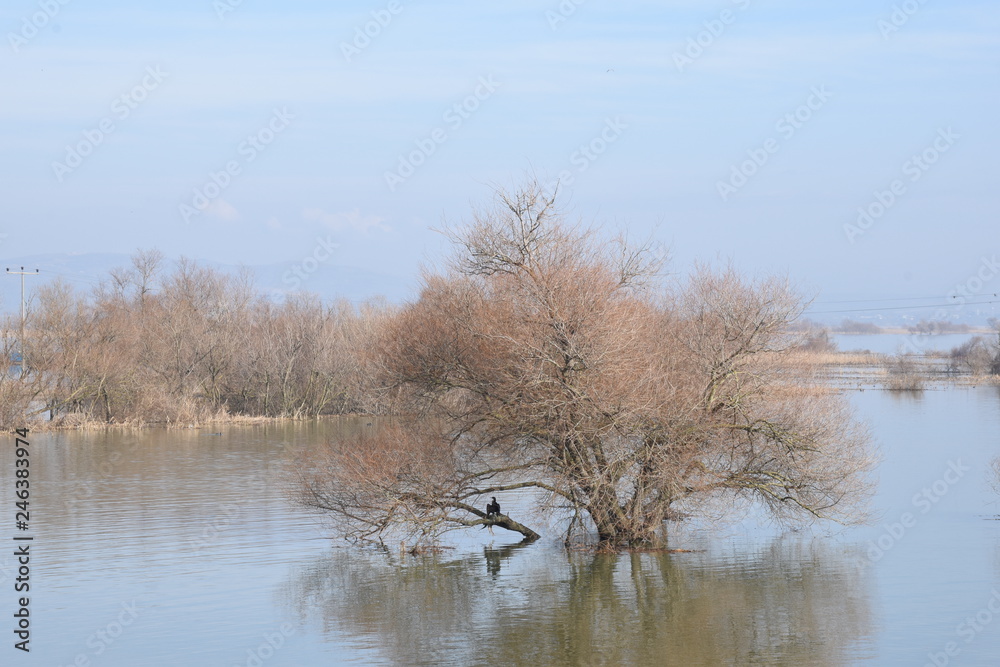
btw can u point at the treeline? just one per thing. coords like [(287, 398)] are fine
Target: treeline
[(183, 346), (980, 355), (846, 326), (934, 327), (849, 326)]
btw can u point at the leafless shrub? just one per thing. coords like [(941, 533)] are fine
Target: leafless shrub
[(903, 373), (817, 341), (979, 355), (994, 475)]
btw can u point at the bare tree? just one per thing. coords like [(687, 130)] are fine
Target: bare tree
[(545, 358), (980, 355)]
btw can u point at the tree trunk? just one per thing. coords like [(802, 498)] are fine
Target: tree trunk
[(505, 521), (616, 529)]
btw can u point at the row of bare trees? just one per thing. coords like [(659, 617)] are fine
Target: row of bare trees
[(151, 345)]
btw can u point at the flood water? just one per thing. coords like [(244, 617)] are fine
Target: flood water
[(179, 547), (900, 343)]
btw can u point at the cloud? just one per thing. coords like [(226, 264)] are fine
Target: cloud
[(223, 210), (348, 220)]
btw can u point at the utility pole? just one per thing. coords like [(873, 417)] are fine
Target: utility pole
[(20, 341)]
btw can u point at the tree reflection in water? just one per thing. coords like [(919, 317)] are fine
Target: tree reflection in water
[(792, 602)]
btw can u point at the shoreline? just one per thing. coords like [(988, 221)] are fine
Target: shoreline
[(236, 420), (837, 371)]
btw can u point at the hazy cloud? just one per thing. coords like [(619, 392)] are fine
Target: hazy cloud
[(348, 220)]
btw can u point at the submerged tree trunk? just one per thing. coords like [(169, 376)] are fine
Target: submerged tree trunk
[(504, 521), (501, 520), (618, 530)]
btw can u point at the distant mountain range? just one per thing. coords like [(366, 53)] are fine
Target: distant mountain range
[(85, 271)]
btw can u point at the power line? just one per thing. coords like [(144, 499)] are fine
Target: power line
[(931, 305), (69, 276), (887, 299), (96, 281)]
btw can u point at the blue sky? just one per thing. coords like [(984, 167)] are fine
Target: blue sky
[(648, 107)]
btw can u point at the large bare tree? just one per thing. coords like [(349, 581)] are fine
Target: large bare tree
[(547, 358)]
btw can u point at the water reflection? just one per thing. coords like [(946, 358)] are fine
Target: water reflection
[(495, 556), (198, 531), (791, 602)]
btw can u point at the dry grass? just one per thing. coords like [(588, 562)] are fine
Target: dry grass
[(812, 359), (814, 371), (79, 421)]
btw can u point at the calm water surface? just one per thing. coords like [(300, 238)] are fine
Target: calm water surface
[(180, 548), (895, 343)]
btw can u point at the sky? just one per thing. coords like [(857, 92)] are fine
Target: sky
[(850, 145)]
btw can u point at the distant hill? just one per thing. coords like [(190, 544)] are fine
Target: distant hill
[(85, 271)]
